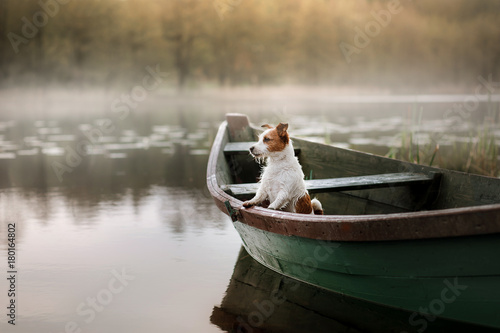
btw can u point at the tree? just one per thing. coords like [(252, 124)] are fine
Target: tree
[(183, 25), (4, 42)]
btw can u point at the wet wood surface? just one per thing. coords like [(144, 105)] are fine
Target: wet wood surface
[(344, 183)]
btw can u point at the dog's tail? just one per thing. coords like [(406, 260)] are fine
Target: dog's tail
[(317, 208)]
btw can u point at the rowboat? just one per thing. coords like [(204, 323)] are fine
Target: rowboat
[(402, 235)]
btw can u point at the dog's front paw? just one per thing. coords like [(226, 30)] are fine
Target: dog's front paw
[(248, 204)]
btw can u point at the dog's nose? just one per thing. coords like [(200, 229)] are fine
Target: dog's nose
[(251, 149)]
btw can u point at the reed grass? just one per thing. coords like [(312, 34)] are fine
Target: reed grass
[(478, 155), (481, 152)]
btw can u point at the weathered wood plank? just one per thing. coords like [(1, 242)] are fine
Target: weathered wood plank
[(242, 148), (237, 148), (457, 189), (367, 182), (345, 183), (466, 205), (239, 127)]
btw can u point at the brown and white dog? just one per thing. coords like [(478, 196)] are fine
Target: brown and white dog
[(282, 179)]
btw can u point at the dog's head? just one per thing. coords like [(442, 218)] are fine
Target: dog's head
[(271, 141)]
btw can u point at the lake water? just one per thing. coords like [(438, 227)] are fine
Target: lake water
[(114, 228)]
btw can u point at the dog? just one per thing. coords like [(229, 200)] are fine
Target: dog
[(282, 179)]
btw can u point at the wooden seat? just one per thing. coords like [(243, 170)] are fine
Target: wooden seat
[(346, 183), (242, 148)]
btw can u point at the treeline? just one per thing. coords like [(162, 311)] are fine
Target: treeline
[(375, 43)]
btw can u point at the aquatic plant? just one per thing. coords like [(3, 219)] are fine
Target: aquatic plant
[(479, 154)]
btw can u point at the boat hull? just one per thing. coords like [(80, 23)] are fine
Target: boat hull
[(258, 298), (433, 278)]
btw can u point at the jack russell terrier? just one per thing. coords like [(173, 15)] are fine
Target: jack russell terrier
[(282, 179)]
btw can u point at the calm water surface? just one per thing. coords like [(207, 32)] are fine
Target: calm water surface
[(114, 228)]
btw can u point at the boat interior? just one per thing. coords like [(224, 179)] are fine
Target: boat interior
[(348, 182)]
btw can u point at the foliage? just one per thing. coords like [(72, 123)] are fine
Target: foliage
[(427, 44), (479, 154)]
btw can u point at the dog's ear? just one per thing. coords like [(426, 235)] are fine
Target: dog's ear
[(281, 128), (282, 133), (267, 126)]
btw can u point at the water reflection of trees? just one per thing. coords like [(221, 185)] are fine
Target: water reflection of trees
[(104, 175), (100, 181)]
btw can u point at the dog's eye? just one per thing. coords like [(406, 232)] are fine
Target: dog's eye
[(266, 139)]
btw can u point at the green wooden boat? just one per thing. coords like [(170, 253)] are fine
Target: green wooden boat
[(398, 234)]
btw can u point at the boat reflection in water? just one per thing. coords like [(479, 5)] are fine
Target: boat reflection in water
[(260, 300)]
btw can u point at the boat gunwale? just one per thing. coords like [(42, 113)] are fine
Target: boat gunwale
[(450, 222)]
